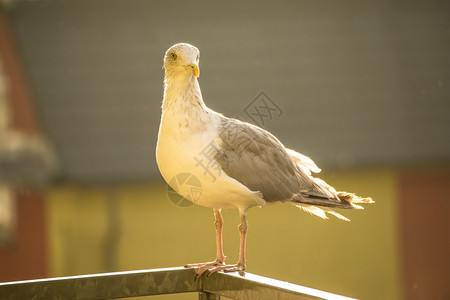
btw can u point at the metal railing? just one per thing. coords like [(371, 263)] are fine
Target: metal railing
[(158, 282)]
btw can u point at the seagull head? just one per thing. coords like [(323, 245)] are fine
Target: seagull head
[(182, 59)]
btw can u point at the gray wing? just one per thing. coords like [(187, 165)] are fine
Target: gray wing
[(258, 160)]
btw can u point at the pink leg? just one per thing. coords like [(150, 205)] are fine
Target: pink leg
[(240, 266), (220, 257), (218, 223), (243, 233)]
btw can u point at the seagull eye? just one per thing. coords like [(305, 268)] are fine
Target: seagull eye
[(198, 57), (173, 56)]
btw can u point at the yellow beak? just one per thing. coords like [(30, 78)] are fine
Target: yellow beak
[(195, 70)]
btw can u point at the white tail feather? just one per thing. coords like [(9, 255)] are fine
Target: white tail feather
[(307, 165), (357, 199), (320, 211)]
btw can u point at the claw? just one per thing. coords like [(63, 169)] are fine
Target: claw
[(200, 271), (227, 268), (215, 266), (201, 268)]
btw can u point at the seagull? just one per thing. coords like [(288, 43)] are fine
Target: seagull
[(238, 165)]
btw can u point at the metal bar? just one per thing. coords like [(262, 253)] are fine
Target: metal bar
[(207, 296), (158, 282), (104, 286), (250, 286)]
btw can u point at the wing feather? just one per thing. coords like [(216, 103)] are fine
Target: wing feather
[(304, 162), (258, 160)]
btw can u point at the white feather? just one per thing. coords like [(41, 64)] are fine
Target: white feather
[(320, 211), (304, 162)]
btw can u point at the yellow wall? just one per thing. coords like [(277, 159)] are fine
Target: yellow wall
[(357, 258)]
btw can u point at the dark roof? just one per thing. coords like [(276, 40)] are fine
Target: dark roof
[(356, 83)]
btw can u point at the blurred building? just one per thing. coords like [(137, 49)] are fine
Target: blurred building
[(24, 161), (362, 88)]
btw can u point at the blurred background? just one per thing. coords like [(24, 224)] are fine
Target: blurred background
[(362, 87)]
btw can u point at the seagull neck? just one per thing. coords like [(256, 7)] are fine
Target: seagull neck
[(182, 92)]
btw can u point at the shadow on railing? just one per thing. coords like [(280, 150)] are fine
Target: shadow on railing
[(159, 282)]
